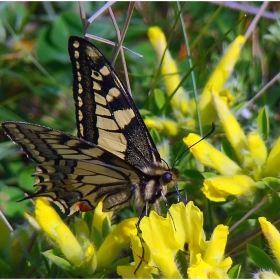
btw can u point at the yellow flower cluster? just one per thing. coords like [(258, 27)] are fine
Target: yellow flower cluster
[(162, 238)]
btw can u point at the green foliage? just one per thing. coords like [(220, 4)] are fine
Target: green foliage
[(262, 260)]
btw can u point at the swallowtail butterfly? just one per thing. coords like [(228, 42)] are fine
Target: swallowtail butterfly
[(113, 157)]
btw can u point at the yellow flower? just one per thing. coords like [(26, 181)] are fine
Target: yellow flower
[(115, 241), (143, 270), (99, 217), (211, 157), (189, 228), (234, 182), (169, 70), (217, 81), (272, 163), (212, 264), (55, 228), (165, 126), (158, 234), (273, 237), (164, 237), (231, 127), (253, 163), (220, 187), (266, 274)]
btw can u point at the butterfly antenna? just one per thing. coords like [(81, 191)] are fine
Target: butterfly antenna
[(165, 163), (207, 135)]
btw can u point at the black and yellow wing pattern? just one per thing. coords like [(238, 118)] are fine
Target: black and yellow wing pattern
[(113, 157)]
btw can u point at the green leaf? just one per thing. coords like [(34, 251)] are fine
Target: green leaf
[(25, 180), (227, 149), (159, 97), (263, 123), (261, 259), (46, 52), (9, 201), (60, 262), (271, 182), (234, 272), (5, 148), (81, 230), (182, 264)]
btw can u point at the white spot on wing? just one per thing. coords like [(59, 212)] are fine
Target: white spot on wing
[(105, 71), (124, 117), (107, 124), (96, 86), (102, 111), (96, 75), (99, 99), (113, 93), (76, 44)]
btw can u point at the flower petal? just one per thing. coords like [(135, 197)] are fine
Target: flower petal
[(165, 126), (257, 148), (216, 247), (232, 128), (220, 187), (218, 79), (211, 157), (158, 234), (55, 228), (272, 235), (200, 270), (115, 241), (266, 274), (189, 228), (99, 216), (272, 164), (169, 70)]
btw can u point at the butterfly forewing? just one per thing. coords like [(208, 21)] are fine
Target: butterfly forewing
[(105, 112)]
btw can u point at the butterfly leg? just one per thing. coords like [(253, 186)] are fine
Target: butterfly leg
[(145, 212), (177, 192)]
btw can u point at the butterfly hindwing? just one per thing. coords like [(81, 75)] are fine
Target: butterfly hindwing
[(72, 170), (105, 112)]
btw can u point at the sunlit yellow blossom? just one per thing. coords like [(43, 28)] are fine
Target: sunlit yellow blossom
[(169, 70), (143, 271), (235, 182), (202, 270), (99, 216), (266, 274), (257, 148), (258, 151), (158, 234), (214, 254), (218, 79), (272, 235), (272, 164), (213, 264), (189, 228), (231, 127), (165, 126), (220, 187), (211, 157), (115, 241), (55, 228)]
